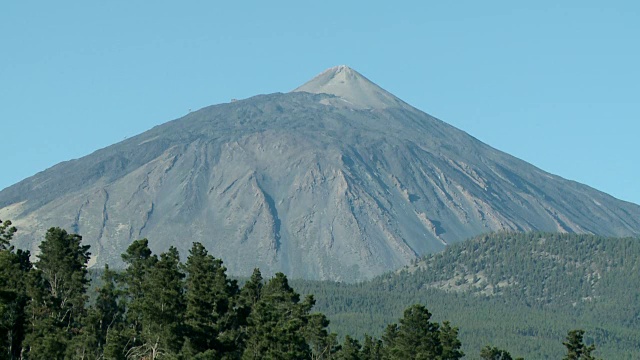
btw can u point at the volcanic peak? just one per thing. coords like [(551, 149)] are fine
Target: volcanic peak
[(352, 88)]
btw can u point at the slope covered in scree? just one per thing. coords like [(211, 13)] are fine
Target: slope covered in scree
[(343, 182), (352, 88)]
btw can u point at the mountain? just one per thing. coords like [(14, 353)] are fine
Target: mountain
[(338, 179)]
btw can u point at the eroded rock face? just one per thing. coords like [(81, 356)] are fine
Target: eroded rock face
[(340, 186)]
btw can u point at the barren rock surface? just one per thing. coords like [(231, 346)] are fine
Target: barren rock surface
[(340, 186)]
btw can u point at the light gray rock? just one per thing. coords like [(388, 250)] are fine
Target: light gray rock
[(337, 180)]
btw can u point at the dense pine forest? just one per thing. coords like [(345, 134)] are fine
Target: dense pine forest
[(521, 291), (162, 308)]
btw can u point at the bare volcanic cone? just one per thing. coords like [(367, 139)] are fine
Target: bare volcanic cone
[(338, 179), (352, 88)]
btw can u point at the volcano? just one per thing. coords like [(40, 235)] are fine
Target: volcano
[(338, 179)]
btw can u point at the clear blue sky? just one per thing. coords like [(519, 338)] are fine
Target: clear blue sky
[(556, 83)]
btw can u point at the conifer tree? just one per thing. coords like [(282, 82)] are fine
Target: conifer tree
[(248, 297), (450, 343), (161, 309), (14, 270), (118, 343), (350, 349), (416, 337), (104, 316), (209, 299), (576, 348), (322, 344), (494, 353), (56, 293), (252, 290), (85, 344), (388, 339), (371, 349), (108, 307), (277, 322), (139, 260), (6, 233)]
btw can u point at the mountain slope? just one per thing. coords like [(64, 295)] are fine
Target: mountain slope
[(520, 291), (339, 186)]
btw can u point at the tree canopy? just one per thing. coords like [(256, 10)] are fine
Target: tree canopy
[(162, 308)]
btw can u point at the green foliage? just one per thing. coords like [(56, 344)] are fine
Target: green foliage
[(252, 289), (161, 308), (62, 269), (56, 291), (493, 353), (108, 309), (372, 349), (322, 344), (14, 272), (546, 285), (350, 349), (210, 319), (105, 316), (450, 342), (277, 322), (117, 344), (140, 260), (416, 337), (6, 233), (576, 348)]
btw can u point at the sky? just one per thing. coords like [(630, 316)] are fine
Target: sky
[(555, 83)]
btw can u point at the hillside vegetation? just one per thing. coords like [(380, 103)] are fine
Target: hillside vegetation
[(521, 291), (162, 308)]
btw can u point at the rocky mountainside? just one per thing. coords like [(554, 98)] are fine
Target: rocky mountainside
[(338, 179)]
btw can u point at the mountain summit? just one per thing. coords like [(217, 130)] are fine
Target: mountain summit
[(353, 88), (337, 180)]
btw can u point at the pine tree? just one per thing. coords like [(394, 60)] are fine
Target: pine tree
[(108, 307), (350, 349), (415, 338), (388, 339), (14, 271), (450, 343), (276, 323), (322, 344), (209, 300), (86, 342), (102, 317), (118, 343), (6, 233), (248, 297), (161, 309), (140, 260), (371, 349), (252, 290), (56, 291), (576, 348), (493, 353)]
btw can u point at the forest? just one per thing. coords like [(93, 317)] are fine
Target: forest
[(159, 307), (521, 291)]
